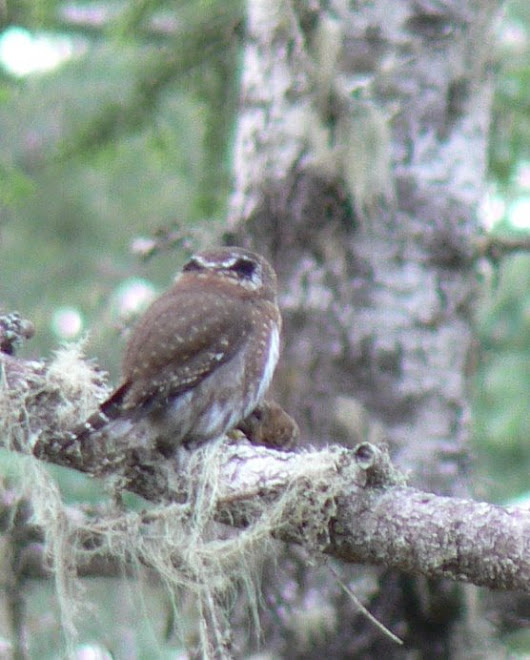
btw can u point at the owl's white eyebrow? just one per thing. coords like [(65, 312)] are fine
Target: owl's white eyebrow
[(227, 263), (206, 264)]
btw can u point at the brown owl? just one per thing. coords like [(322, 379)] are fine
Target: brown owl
[(202, 356)]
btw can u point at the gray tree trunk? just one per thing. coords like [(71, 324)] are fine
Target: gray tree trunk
[(359, 162)]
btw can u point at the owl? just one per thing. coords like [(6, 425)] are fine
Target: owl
[(202, 356)]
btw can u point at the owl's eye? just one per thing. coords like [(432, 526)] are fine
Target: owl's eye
[(244, 268)]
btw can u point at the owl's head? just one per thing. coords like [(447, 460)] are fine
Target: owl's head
[(244, 267)]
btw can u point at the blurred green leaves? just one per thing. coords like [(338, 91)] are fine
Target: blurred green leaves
[(502, 381), (502, 384), (15, 185), (510, 134), (128, 136)]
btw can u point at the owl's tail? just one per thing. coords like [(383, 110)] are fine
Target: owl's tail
[(107, 411)]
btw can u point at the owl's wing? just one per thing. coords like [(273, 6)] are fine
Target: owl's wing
[(182, 338)]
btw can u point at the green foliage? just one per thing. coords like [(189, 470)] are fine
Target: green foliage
[(501, 385), (510, 135), (129, 136), (15, 185), (502, 414)]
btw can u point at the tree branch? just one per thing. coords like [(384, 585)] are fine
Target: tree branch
[(350, 504), (496, 247)]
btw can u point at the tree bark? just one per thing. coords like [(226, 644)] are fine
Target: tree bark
[(377, 292), (359, 161)]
